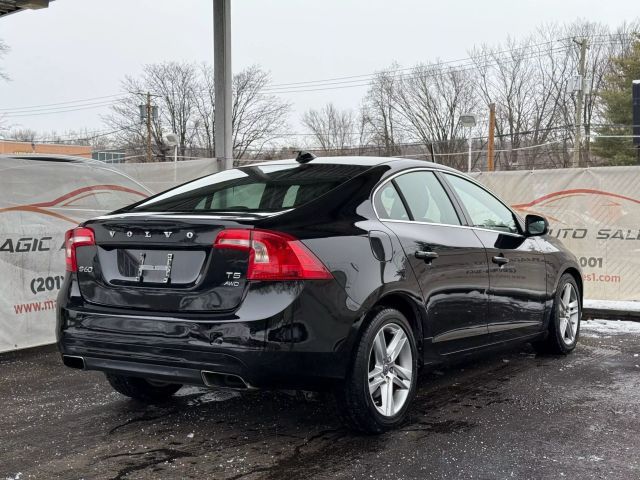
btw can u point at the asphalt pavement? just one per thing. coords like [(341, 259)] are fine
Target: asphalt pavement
[(504, 416)]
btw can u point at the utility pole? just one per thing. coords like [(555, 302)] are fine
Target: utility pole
[(148, 127), (492, 129), (635, 99), (577, 158)]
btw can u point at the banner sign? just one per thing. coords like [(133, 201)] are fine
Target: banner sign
[(595, 212), (39, 201)]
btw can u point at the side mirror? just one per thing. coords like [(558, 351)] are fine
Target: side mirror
[(536, 225)]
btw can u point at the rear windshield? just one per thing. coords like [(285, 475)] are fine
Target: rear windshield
[(264, 188)]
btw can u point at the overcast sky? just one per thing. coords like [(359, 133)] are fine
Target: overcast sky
[(81, 49)]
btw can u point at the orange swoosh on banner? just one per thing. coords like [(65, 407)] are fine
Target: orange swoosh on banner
[(571, 193), (36, 209), (80, 197), (78, 191), (534, 212), (69, 198)]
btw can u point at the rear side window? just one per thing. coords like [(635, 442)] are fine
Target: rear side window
[(389, 204), (426, 198), (254, 188)]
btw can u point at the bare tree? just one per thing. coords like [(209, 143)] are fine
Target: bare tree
[(530, 82), (185, 98), (130, 132), (506, 75), (204, 133), (604, 45), (380, 110), (431, 99), (23, 135), (4, 49), (257, 117), (331, 128), (173, 86)]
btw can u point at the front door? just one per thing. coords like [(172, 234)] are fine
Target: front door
[(448, 260), (517, 273)]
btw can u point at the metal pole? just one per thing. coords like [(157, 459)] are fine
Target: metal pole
[(175, 163), (635, 130), (577, 161), (492, 128), (148, 127), (469, 159), (222, 81)]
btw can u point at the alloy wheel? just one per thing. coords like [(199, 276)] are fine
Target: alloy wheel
[(390, 369), (569, 314)]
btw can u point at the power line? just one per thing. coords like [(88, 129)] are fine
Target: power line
[(471, 58), (410, 68), (471, 62), (59, 110), (469, 67), (60, 103), (334, 83)]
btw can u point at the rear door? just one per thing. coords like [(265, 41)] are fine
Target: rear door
[(517, 274), (449, 261)]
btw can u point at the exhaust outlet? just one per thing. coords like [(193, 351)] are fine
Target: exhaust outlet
[(224, 380), (72, 361)]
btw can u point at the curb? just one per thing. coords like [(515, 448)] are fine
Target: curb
[(610, 314)]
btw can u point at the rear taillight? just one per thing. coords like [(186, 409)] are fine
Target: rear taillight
[(74, 238), (273, 255)]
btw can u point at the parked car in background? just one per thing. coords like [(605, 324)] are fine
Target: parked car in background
[(346, 274)]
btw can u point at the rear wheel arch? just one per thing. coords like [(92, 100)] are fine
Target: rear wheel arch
[(405, 305)]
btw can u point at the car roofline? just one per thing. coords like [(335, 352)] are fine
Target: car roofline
[(366, 161)]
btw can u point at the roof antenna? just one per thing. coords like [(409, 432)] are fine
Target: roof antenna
[(304, 157)]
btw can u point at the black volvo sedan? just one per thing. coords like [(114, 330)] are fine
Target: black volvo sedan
[(346, 274)]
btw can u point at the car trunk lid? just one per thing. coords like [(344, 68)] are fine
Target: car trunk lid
[(163, 263)]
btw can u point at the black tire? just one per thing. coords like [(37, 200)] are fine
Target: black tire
[(141, 389), (355, 405), (555, 341)]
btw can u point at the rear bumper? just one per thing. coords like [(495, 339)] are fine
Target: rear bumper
[(136, 369), (283, 342), (180, 363)]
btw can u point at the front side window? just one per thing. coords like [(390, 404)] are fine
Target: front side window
[(426, 198), (485, 210)]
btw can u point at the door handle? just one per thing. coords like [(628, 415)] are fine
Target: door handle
[(500, 260), (428, 257)]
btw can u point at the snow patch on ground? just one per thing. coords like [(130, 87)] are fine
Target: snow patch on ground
[(214, 396), (598, 328), (191, 390), (627, 305)]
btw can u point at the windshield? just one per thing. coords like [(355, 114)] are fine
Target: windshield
[(261, 188)]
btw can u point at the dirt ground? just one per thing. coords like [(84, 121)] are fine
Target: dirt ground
[(504, 416)]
